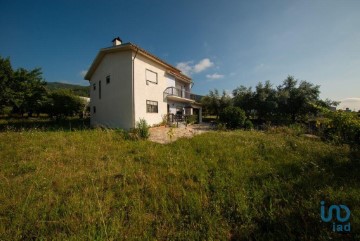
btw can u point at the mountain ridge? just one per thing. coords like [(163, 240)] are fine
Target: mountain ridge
[(80, 90)]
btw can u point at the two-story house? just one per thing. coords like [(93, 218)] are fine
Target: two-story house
[(128, 84)]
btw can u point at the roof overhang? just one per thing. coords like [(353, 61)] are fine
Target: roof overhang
[(132, 47), (179, 99)]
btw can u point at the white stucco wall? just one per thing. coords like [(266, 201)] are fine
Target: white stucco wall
[(149, 91), (114, 107)]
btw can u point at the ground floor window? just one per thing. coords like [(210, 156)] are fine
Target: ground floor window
[(151, 106)]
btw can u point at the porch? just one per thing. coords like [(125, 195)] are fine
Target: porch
[(182, 106)]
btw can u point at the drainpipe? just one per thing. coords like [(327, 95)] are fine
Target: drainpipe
[(132, 86)]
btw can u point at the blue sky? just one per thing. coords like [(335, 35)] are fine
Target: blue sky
[(221, 44)]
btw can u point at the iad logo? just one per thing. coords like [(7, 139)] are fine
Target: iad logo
[(342, 224)]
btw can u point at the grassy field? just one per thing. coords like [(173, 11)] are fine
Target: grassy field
[(94, 185)]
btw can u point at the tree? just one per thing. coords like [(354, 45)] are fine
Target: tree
[(233, 117), (296, 102), (28, 91), (265, 100), (23, 90), (213, 103), (244, 99), (6, 75), (225, 101), (63, 103), (327, 103)]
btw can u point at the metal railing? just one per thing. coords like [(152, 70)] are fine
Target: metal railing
[(173, 91)]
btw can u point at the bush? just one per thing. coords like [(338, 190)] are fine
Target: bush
[(298, 129), (63, 103), (233, 117), (248, 125), (220, 127), (191, 119), (142, 129), (342, 127)]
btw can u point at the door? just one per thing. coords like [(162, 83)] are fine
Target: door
[(197, 113)]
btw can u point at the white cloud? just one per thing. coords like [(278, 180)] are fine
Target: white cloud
[(203, 65), (189, 68), (83, 72), (214, 76), (185, 67), (351, 100), (351, 103)]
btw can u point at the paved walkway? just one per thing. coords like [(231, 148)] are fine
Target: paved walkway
[(162, 134)]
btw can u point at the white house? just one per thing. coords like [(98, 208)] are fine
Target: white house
[(128, 84)]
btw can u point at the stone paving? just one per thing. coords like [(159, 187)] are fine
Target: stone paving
[(161, 134)]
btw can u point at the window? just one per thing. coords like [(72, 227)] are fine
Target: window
[(94, 109), (99, 89), (151, 77), (151, 106), (94, 86), (108, 79)]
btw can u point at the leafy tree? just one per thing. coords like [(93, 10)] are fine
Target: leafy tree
[(23, 90), (265, 100), (6, 75), (213, 103), (327, 103), (63, 103), (244, 98), (225, 101), (28, 91), (339, 126), (233, 117), (296, 102)]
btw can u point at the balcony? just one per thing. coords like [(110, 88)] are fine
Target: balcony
[(180, 95)]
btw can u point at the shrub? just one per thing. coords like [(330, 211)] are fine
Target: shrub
[(142, 129), (220, 127), (298, 129), (343, 127), (171, 133), (191, 119), (233, 117), (248, 125), (63, 103)]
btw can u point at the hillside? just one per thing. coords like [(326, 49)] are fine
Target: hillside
[(78, 89)]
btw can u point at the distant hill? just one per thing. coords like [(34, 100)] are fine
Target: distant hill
[(77, 89)]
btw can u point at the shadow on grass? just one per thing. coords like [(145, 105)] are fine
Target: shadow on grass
[(290, 207), (43, 124)]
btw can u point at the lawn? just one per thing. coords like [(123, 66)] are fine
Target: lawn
[(240, 185)]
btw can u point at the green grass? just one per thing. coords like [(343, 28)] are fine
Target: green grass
[(43, 123), (93, 185)]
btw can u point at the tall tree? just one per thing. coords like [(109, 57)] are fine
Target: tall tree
[(213, 103), (28, 90), (63, 103), (224, 101), (6, 75), (244, 99), (265, 100), (297, 101)]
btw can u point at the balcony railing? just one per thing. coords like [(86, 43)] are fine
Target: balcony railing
[(182, 93), (173, 91)]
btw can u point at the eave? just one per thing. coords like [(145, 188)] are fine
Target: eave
[(132, 47)]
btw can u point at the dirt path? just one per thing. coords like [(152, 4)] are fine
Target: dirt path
[(160, 134)]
